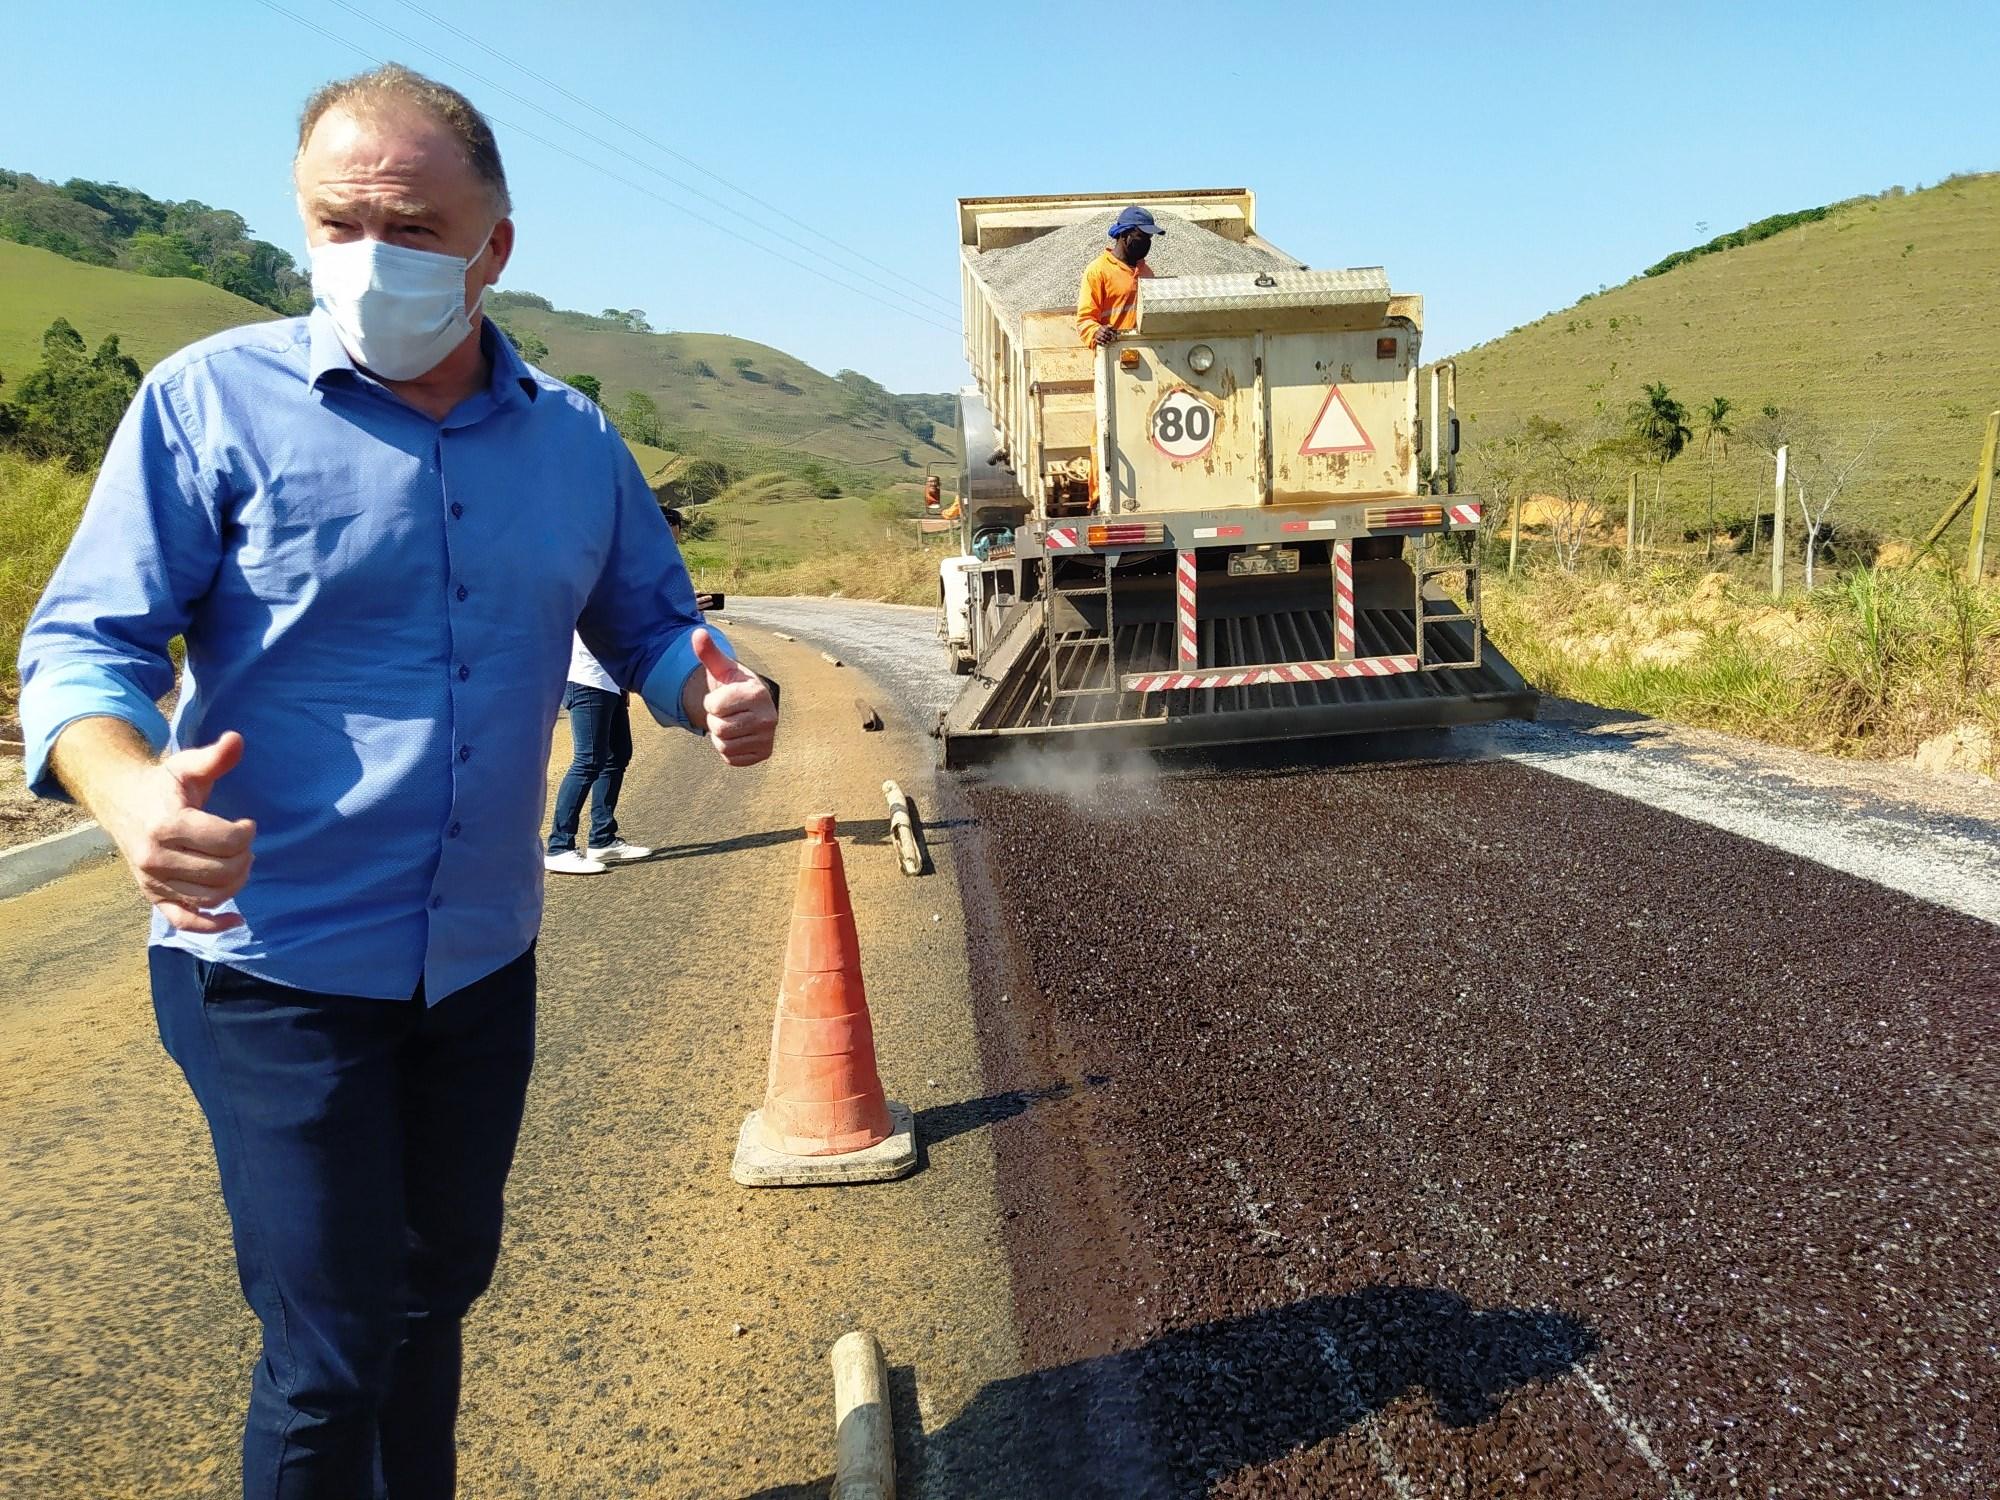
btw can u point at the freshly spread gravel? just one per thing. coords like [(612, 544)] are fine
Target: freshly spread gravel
[(1432, 1128), (1042, 275)]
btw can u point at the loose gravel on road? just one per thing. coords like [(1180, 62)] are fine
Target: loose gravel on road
[(1435, 1128)]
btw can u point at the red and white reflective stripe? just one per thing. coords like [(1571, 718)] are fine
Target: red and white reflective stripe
[(1184, 583), (1463, 515), (1060, 537), (1210, 533), (1343, 600), (1291, 671)]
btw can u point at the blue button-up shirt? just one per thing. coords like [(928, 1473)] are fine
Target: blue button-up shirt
[(381, 604)]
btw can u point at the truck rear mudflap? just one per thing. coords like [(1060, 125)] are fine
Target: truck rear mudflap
[(1264, 676)]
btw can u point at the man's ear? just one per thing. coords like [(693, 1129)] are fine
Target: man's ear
[(500, 249)]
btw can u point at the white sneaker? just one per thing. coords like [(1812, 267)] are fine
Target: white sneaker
[(569, 862), (621, 850)]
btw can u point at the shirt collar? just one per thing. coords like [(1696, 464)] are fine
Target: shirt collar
[(511, 384)]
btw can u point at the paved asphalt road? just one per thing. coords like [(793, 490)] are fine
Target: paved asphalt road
[(1546, 1109)]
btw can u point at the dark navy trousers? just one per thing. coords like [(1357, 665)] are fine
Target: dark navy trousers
[(363, 1148)]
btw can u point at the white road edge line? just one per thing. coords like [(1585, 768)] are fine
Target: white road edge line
[(1329, 1347), (1633, 1434)]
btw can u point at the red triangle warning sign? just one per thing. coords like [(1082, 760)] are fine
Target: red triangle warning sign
[(1335, 429)]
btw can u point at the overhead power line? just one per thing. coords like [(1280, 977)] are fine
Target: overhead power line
[(900, 291), (943, 302), (905, 308)]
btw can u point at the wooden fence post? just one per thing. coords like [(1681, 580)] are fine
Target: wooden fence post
[(1631, 514), (1982, 496), (1778, 528)]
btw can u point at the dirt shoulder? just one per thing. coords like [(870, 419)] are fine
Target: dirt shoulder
[(653, 1328), (25, 817)]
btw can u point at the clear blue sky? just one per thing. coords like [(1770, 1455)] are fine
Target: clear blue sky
[(1500, 160)]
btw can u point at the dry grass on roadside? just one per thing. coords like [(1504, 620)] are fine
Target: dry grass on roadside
[(902, 575), (40, 504), (1871, 664)]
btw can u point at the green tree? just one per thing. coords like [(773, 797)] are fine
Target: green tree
[(1659, 425), (161, 255), (530, 348), (824, 486), (69, 406), (590, 385), (702, 480), (639, 419), (1715, 435)]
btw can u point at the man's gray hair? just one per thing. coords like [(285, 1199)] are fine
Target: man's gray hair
[(393, 84)]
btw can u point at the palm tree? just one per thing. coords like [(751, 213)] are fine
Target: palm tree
[(1715, 434), (1659, 422)]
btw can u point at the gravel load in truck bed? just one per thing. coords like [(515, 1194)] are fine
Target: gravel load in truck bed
[(1423, 1129), (1042, 275)]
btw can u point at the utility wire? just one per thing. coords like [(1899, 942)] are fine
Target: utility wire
[(943, 302), (900, 292), (906, 310)]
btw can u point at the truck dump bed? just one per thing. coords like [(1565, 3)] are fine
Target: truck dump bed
[(1214, 525)]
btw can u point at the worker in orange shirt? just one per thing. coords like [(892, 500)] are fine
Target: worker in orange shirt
[(1108, 302)]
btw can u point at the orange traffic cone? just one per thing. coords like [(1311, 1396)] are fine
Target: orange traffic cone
[(825, 1117)]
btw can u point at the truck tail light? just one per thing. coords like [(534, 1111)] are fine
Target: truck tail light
[(1403, 517), (1125, 534)]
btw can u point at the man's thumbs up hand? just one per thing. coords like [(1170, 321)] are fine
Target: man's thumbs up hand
[(186, 860), (730, 704)]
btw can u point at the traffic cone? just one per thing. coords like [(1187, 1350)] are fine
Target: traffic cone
[(825, 1117)]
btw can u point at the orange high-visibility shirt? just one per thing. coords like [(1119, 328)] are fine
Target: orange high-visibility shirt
[(1109, 296)]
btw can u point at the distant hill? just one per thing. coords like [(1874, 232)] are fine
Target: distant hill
[(155, 315), (109, 224), (722, 394), (152, 315), (1885, 310)]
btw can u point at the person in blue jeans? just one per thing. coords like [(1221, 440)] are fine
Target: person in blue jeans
[(600, 731), (375, 528)]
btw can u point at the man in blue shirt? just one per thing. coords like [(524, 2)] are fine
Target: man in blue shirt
[(376, 529)]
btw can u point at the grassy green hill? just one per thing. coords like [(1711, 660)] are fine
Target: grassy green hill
[(152, 315), (730, 396), (1885, 312), (790, 417)]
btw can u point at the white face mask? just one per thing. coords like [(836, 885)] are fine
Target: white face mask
[(399, 311)]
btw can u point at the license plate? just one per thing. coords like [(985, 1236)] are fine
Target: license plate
[(1273, 560)]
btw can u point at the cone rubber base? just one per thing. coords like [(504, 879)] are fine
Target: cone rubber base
[(757, 1165)]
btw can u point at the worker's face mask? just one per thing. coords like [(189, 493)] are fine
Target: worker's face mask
[(399, 311), (1133, 248)]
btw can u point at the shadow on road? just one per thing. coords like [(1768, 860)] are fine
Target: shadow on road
[(940, 1122), (1196, 1406), (851, 830)]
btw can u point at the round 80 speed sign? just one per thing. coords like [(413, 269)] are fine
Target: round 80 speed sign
[(1183, 425)]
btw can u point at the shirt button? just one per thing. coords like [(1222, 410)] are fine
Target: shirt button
[(461, 593), (436, 902), (451, 832), (457, 510), (465, 752), (464, 672)]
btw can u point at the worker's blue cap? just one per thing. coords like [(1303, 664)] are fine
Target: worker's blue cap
[(1138, 218)]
